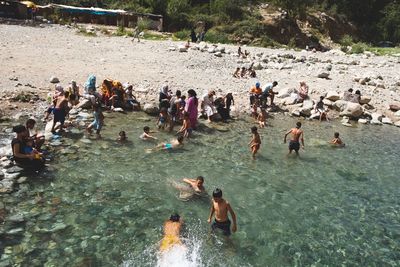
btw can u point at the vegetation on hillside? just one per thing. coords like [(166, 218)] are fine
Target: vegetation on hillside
[(376, 20)]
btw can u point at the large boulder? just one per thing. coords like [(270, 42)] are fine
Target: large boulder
[(394, 107), (286, 92), (365, 99), (397, 113), (84, 103), (332, 96), (340, 105), (353, 110), (387, 120), (150, 109), (54, 79), (257, 66), (290, 100), (307, 107), (328, 102)]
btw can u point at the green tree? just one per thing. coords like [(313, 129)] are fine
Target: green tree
[(390, 23)]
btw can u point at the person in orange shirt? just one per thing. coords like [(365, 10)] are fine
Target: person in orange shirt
[(255, 92)]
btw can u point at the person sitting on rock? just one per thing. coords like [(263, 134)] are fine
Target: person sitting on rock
[(255, 93), (117, 98), (319, 108), (243, 73), (251, 73), (236, 74), (28, 161), (347, 96), (303, 93), (207, 105), (131, 102), (356, 97)]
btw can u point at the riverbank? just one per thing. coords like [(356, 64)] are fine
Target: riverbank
[(31, 55)]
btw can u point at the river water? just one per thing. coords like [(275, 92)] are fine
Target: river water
[(104, 204)]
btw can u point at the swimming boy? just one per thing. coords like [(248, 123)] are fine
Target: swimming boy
[(220, 207), (122, 137), (174, 144), (262, 118), (297, 136), (196, 184), (172, 229), (255, 142), (146, 134), (336, 141), (60, 111)]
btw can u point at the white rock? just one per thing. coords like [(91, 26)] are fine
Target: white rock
[(182, 48), (218, 54), (257, 66), (363, 121), (387, 121), (296, 113), (221, 49), (289, 100), (332, 96), (172, 48), (376, 118), (352, 110), (397, 123), (211, 50), (150, 109), (323, 75), (286, 92), (327, 102), (365, 99), (339, 105), (397, 113)]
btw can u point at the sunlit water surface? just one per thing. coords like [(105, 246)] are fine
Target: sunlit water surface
[(105, 203)]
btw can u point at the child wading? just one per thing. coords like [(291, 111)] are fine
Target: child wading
[(255, 142), (220, 207), (98, 122)]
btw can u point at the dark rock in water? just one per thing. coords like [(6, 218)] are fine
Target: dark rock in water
[(14, 169)]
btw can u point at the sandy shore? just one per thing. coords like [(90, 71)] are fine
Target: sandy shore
[(31, 55)]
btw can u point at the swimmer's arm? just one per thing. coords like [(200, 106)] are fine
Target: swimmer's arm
[(233, 215), (284, 139), (149, 136), (188, 181), (212, 210)]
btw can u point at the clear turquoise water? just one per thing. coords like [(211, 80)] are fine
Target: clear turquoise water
[(330, 207)]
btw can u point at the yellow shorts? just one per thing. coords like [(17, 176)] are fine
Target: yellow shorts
[(169, 241)]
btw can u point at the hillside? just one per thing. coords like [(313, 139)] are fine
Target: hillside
[(269, 23)]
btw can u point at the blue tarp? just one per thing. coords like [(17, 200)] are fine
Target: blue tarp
[(90, 12)]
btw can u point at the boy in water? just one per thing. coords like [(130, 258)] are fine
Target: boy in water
[(255, 142), (172, 229), (146, 134), (221, 207), (262, 117), (174, 144), (186, 128), (163, 119), (122, 137), (196, 184), (60, 111), (337, 141), (98, 122), (297, 135)]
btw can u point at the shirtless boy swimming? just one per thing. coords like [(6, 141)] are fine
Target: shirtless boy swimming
[(255, 142), (336, 141), (297, 135), (172, 229), (220, 207), (196, 184)]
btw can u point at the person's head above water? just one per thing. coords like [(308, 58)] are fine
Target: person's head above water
[(180, 139), (254, 129), (174, 217), (122, 134), (146, 129), (200, 180), (217, 193), (298, 125), (336, 135)]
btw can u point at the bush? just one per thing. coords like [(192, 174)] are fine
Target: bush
[(214, 36), (358, 48), (182, 35)]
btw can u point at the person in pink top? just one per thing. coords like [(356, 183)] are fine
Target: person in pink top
[(192, 107)]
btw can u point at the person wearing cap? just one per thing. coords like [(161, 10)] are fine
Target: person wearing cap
[(207, 105), (255, 92), (26, 161), (172, 230)]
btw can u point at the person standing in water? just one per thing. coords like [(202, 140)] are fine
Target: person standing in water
[(172, 229), (255, 142), (297, 136), (220, 207)]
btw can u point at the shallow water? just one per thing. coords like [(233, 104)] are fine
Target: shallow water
[(105, 203)]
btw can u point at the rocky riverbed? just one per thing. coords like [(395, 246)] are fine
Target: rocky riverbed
[(31, 55)]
